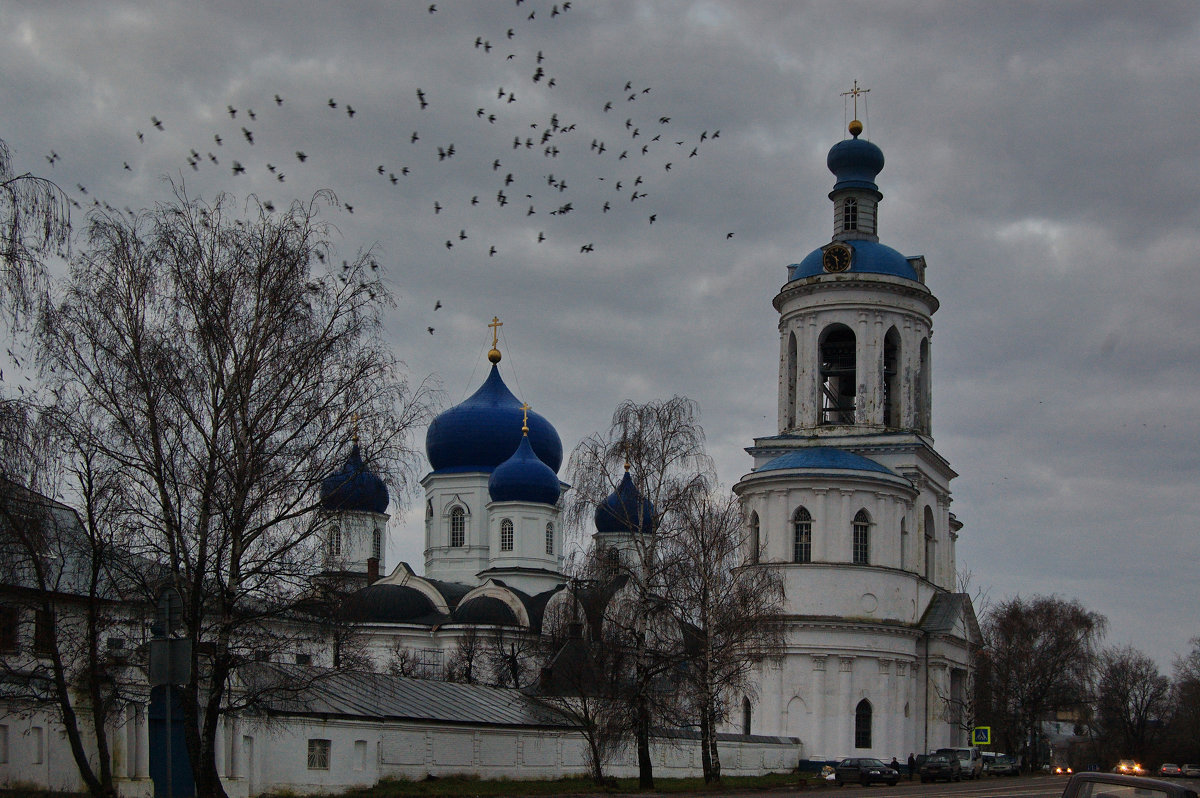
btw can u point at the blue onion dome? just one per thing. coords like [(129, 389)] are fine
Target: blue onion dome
[(354, 487), (524, 478), (855, 162), (485, 429), (626, 510)]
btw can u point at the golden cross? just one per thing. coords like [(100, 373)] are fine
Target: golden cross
[(854, 92), (495, 325), (525, 426)]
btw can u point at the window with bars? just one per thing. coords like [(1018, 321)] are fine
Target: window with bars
[(506, 535), (754, 538), (862, 538), (318, 754), (801, 535), (549, 538), (458, 527), (335, 541), (377, 544)]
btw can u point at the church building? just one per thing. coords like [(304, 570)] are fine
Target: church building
[(850, 502)]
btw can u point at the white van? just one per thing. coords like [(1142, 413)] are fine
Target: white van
[(969, 759)]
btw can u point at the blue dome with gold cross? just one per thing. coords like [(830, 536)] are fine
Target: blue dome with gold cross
[(485, 430), (354, 488)]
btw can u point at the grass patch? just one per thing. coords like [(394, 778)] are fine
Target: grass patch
[(465, 786)]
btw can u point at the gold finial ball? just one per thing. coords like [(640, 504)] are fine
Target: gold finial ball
[(494, 356), (855, 128)]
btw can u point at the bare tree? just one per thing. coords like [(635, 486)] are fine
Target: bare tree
[(730, 613), (659, 448), (1185, 721), (35, 220), (1132, 701), (224, 366), (67, 570), (581, 680), (1038, 657)]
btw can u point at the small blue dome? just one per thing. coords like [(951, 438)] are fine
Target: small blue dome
[(626, 511), (869, 257), (483, 431), (524, 478), (824, 458), (354, 487), (855, 162)]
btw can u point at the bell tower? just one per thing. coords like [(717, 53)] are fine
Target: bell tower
[(850, 502)]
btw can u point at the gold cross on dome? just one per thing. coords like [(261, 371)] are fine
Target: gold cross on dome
[(525, 425), (496, 325), (854, 92)]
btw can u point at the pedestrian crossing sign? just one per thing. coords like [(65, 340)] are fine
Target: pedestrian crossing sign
[(981, 735)]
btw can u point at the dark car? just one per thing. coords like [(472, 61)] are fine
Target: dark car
[(940, 766), (864, 771)]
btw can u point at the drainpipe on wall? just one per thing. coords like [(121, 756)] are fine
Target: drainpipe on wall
[(925, 697)]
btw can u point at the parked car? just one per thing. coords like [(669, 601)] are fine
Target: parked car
[(1062, 770), (970, 759), (1002, 765), (863, 771), (940, 766), (1127, 767), (1191, 771), (1098, 785), (1169, 769)]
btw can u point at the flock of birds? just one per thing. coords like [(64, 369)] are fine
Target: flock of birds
[(552, 176)]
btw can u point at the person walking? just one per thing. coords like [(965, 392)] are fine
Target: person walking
[(912, 765)]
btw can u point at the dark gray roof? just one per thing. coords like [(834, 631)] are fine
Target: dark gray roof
[(381, 696), (944, 611)]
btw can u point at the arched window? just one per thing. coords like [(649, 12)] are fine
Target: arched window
[(891, 379), (850, 214), (746, 710), (930, 544), (754, 539), (549, 538), (839, 376), (377, 544), (506, 535), (458, 527), (801, 535), (335, 541), (862, 724), (862, 538)]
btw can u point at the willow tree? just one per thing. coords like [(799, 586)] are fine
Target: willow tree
[(731, 613), (659, 448), (227, 359)]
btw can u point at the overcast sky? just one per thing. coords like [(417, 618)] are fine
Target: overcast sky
[(1042, 156)]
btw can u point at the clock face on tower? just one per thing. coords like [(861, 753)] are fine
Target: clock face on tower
[(836, 258)]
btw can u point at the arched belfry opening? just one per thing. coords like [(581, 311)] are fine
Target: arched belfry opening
[(891, 378), (839, 375)]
